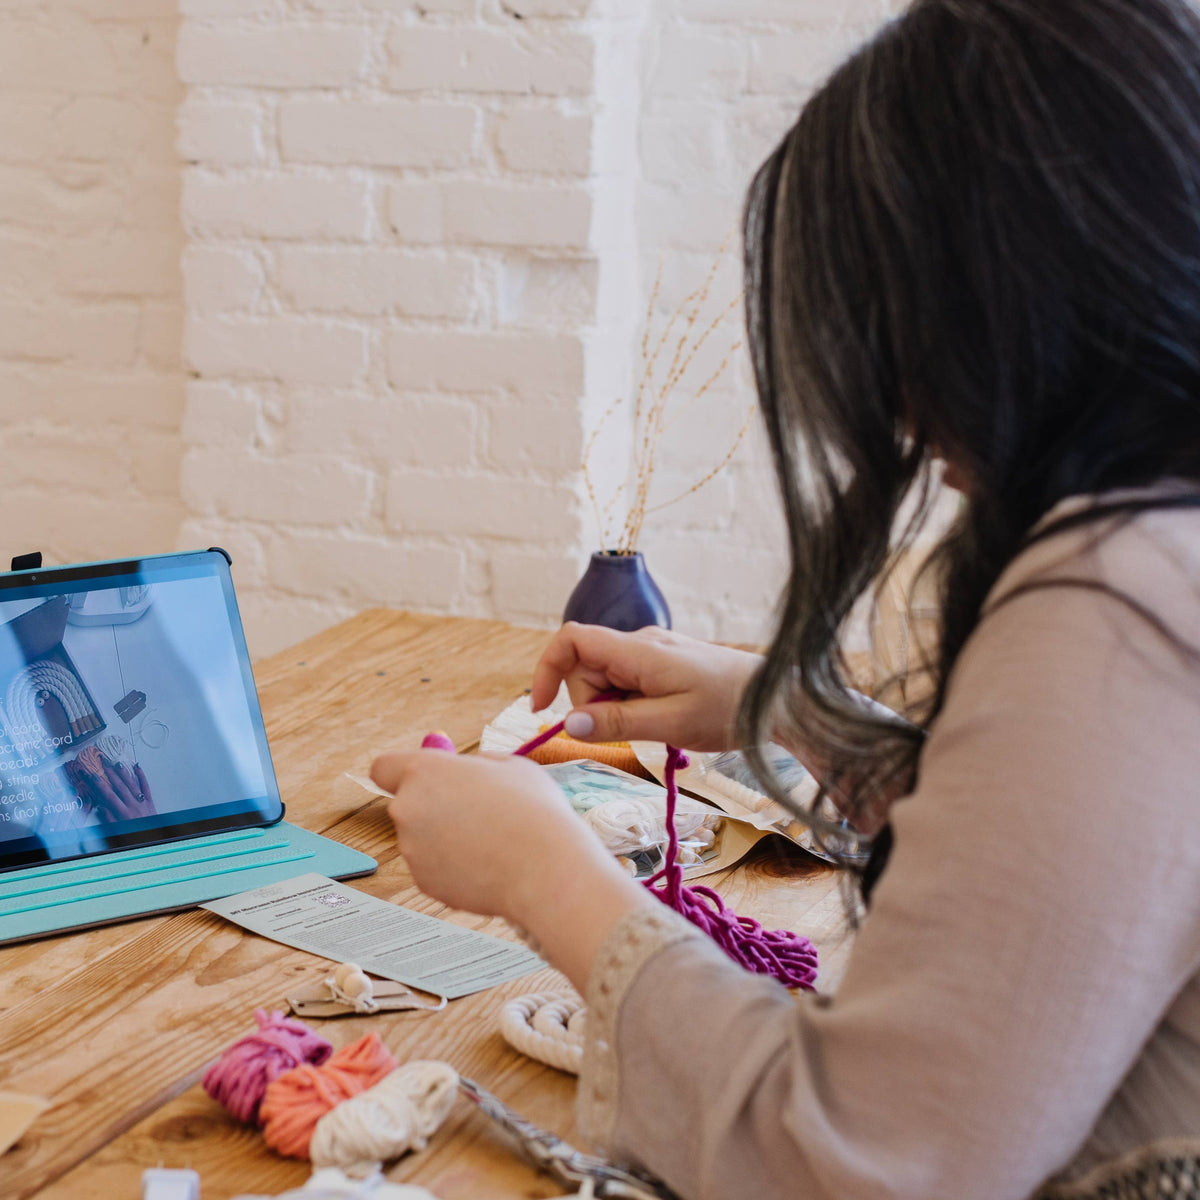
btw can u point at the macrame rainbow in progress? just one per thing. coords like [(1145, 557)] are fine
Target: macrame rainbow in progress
[(26, 695), (548, 1027), (779, 953)]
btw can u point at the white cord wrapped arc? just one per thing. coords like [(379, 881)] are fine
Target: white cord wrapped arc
[(548, 1027)]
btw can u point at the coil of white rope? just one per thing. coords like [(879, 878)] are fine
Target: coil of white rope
[(548, 1027)]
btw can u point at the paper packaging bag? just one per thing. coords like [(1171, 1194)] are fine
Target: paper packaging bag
[(749, 808), (591, 785), (737, 839)]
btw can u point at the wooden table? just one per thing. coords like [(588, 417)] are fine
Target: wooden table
[(116, 1025)]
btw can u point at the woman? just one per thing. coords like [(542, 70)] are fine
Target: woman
[(979, 245)]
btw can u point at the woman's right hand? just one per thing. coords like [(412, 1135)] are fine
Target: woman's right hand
[(678, 690)]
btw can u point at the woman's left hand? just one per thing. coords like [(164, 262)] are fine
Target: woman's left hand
[(470, 827), (497, 836)]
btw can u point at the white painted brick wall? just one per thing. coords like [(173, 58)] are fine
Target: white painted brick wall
[(91, 384), (517, 59), (276, 55), (723, 80), (420, 241), (281, 204), (544, 141), (378, 133), (416, 242), (394, 292), (374, 281), (418, 238), (470, 361)]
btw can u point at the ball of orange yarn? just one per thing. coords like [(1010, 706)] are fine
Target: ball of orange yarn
[(298, 1099)]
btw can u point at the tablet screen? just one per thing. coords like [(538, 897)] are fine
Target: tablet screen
[(128, 713)]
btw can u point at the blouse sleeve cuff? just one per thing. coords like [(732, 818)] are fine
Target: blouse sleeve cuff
[(633, 942)]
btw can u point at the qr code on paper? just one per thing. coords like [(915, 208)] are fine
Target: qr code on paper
[(332, 899)]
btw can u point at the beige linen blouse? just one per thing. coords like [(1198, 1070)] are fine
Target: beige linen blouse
[(1023, 999)]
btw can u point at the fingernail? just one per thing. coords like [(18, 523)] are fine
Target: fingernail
[(580, 724)]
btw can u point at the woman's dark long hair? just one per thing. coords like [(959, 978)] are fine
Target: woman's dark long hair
[(980, 241)]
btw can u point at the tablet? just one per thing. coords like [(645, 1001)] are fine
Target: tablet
[(128, 712)]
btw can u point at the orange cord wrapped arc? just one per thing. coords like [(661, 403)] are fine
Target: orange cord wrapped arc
[(298, 1099), (613, 754)]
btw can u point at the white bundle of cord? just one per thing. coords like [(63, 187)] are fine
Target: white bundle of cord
[(400, 1113), (739, 793), (330, 1183), (548, 1027), (518, 723), (628, 824)]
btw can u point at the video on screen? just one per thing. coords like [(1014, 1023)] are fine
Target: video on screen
[(120, 705)]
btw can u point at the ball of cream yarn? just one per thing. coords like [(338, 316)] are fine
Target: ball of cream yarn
[(400, 1113)]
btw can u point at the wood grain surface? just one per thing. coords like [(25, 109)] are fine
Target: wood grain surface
[(117, 1025)]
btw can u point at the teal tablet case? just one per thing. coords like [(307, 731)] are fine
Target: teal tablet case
[(36, 901)]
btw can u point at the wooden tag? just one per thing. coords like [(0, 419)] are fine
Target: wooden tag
[(389, 996)]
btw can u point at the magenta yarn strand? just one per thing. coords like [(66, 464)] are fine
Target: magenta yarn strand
[(549, 734), (542, 738), (786, 956)]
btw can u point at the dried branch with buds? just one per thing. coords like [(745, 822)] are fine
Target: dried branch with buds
[(665, 394)]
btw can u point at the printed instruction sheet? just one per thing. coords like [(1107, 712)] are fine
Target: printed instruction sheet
[(345, 925)]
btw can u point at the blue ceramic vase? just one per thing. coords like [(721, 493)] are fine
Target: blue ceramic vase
[(617, 591)]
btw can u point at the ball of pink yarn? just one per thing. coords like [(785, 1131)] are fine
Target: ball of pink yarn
[(238, 1079)]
